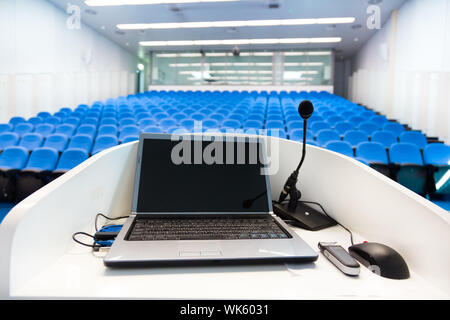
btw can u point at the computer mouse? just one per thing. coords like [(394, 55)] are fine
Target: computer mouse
[(381, 259)]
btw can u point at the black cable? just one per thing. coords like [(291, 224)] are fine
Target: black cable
[(316, 203), (108, 218), (95, 246), (312, 202)]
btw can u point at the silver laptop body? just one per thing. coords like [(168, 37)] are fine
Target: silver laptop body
[(176, 195)]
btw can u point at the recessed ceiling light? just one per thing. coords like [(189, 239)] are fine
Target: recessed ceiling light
[(145, 2), (239, 42), (234, 24)]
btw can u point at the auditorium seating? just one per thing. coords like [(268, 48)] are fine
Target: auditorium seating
[(47, 145)]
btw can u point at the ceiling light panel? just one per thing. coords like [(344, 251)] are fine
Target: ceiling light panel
[(239, 42), (102, 3), (234, 24)]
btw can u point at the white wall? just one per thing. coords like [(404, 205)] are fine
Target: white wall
[(44, 65), (404, 69)]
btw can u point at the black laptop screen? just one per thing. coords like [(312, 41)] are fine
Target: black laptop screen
[(201, 176)]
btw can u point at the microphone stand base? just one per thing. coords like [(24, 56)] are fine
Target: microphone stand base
[(303, 216)]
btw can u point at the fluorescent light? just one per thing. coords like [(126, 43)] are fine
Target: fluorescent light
[(238, 41), (234, 24), (243, 54), (95, 3), (141, 67)]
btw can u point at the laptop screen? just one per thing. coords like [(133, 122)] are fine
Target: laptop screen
[(201, 176)]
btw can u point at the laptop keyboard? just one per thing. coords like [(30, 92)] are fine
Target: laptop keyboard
[(148, 229)]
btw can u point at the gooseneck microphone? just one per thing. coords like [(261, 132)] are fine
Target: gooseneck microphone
[(300, 214), (305, 110)]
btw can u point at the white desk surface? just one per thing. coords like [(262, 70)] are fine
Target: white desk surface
[(81, 273)]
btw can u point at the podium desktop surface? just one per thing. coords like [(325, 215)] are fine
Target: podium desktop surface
[(40, 259)]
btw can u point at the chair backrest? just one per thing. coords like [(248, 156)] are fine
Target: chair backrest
[(394, 127), (368, 127), (104, 142), (31, 141), (210, 124), (356, 120), (66, 129), (127, 122), (327, 135), (35, 120), (232, 124), (70, 159), (414, 137), (355, 137), (153, 129), (343, 126), (8, 139), (130, 130), (274, 124), (379, 120), (6, 127), (254, 124), (44, 114), (386, 138), (167, 123), (319, 125), (44, 129), (405, 153), (437, 154), (73, 121), (90, 121), (56, 141), (297, 135), (342, 147), (81, 141), (23, 128), (13, 157), (372, 152), (16, 120), (87, 129), (42, 159)]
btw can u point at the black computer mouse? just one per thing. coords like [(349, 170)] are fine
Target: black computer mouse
[(381, 259)]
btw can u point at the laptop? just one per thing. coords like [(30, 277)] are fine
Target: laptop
[(200, 200)]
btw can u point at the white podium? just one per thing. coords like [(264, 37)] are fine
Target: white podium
[(40, 260)]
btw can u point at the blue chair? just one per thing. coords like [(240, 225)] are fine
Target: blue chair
[(44, 129), (295, 124), (161, 116), (8, 139), (325, 136), (127, 122), (70, 159), (274, 124), (13, 158), (217, 117), (210, 124), (153, 129), (341, 147), (356, 120), (35, 121), (167, 123), (375, 155), (44, 114), (31, 141), (386, 138), (6, 127), (130, 130), (319, 125), (274, 132), (42, 159), (130, 139), (16, 120), (414, 137), (334, 119), (109, 120), (379, 120), (74, 121), (368, 127), (65, 129), (23, 128), (81, 141), (104, 142), (90, 121), (179, 116), (409, 168), (231, 124), (198, 116), (142, 115), (437, 156), (297, 135), (87, 129), (253, 124), (53, 120), (108, 129), (56, 141), (355, 137), (36, 172), (256, 116), (343, 126), (394, 127)]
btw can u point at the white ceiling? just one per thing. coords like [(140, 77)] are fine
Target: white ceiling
[(105, 20)]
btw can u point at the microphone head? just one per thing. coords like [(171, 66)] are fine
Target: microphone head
[(305, 109)]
